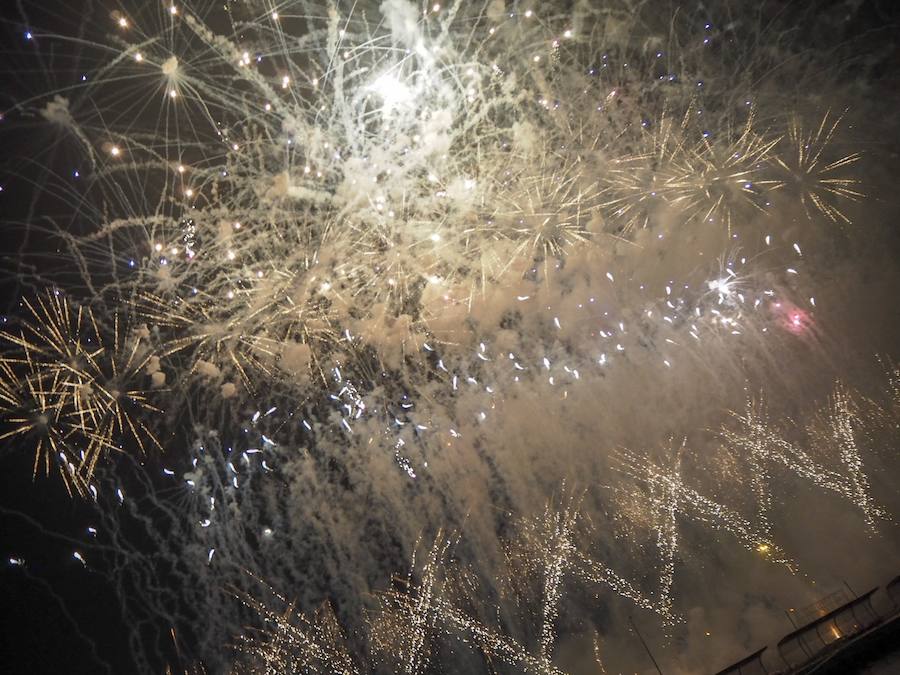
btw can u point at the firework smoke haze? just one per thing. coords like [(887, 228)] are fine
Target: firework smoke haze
[(403, 337)]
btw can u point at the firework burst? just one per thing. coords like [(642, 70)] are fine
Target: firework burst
[(370, 269), (81, 389)]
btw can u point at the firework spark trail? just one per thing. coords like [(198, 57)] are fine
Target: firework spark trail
[(665, 511), (547, 546), (543, 548), (670, 498), (292, 642), (845, 422), (415, 611), (764, 446), (388, 221), (199, 522), (559, 552), (421, 612)]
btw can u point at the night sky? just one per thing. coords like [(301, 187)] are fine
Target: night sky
[(401, 337)]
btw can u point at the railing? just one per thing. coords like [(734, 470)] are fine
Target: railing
[(825, 637), (815, 638), (804, 615), (751, 665), (893, 592)]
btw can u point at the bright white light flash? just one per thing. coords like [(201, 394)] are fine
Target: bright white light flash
[(392, 91)]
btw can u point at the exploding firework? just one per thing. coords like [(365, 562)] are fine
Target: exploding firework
[(82, 391), (306, 280)]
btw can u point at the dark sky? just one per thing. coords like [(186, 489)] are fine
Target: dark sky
[(62, 616)]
